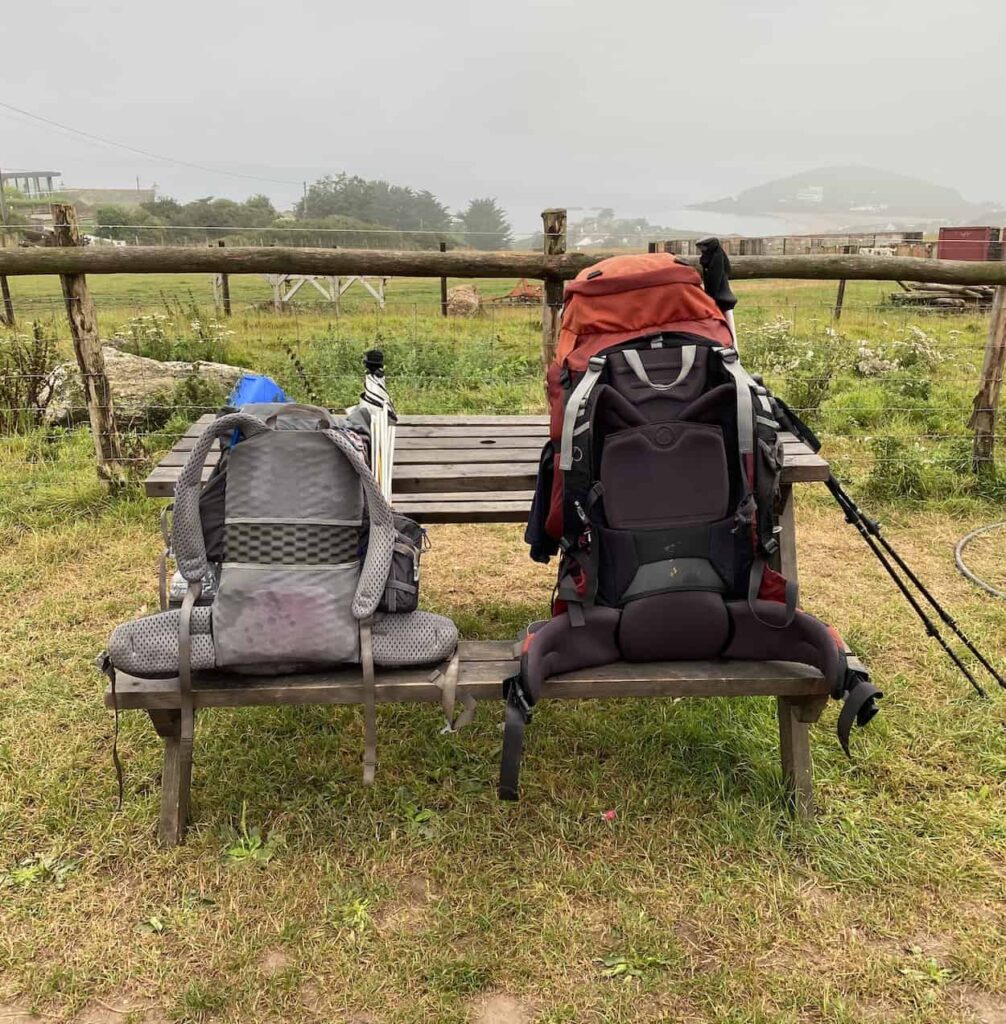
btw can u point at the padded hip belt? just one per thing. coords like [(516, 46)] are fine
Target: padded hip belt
[(148, 647)]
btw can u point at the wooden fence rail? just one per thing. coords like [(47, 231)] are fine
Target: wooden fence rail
[(553, 265), (422, 263)]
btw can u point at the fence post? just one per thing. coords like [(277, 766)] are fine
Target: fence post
[(87, 348), (8, 305), (554, 229), (225, 287), (443, 286), (839, 299), (985, 407)]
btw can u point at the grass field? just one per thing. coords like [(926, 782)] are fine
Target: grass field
[(299, 896)]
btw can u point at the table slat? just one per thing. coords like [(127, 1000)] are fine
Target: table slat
[(467, 469)]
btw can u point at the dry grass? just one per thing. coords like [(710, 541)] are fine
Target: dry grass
[(890, 907)]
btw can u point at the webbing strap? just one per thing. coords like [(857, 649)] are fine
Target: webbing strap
[(754, 586), (447, 680), (517, 717), (185, 669), (369, 703), (636, 365), (859, 707), (745, 409), (106, 666), (162, 565), (575, 403)]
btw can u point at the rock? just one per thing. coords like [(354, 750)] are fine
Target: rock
[(141, 387), (464, 300)]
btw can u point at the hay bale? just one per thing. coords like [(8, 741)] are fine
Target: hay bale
[(464, 300)]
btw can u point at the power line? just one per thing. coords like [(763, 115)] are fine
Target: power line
[(142, 152)]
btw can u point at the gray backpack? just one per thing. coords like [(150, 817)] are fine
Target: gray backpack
[(303, 555)]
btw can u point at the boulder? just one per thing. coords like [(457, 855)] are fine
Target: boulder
[(140, 387)]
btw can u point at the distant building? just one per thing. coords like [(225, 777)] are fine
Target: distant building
[(32, 184), (811, 194)]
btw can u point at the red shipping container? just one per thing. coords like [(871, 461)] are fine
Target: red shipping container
[(968, 244)]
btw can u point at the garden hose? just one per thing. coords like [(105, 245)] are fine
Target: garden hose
[(964, 570)]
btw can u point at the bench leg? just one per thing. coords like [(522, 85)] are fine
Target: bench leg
[(796, 715), (176, 777)]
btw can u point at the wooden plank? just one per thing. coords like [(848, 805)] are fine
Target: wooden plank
[(502, 431), (410, 457), (482, 679), (178, 457), (453, 419), (509, 479), (450, 456), (485, 650), (432, 512), (500, 476), (461, 497), (530, 442), (471, 442)]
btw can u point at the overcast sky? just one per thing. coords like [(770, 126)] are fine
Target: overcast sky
[(643, 106)]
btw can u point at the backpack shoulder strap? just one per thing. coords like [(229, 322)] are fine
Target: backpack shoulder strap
[(187, 529), (377, 563)]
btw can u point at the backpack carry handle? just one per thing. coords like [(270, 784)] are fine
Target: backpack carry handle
[(325, 421)]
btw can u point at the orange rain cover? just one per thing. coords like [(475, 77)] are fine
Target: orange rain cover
[(624, 297)]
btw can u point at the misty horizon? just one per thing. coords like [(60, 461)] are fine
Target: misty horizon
[(537, 107)]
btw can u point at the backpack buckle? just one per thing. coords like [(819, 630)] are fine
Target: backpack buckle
[(515, 696)]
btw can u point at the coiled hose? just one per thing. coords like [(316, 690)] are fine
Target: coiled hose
[(964, 570)]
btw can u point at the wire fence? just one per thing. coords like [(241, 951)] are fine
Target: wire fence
[(888, 388)]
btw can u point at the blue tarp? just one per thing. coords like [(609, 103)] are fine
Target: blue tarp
[(255, 387)]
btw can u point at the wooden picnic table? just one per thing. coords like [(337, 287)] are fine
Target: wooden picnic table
[(481, 469), (465, 469)]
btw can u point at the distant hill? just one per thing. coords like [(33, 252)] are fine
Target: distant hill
[(855, 196)]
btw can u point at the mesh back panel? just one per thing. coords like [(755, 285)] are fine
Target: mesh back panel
[(304, 543)]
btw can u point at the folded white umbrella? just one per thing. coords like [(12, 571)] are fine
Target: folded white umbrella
[(383, 419)]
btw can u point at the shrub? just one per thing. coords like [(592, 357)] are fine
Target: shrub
[(159, 336), (801, 370), (27, 378), (912, 350)]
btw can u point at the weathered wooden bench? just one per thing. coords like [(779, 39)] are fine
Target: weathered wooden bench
[(458, 469)]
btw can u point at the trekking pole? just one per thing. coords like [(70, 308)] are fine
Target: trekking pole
[(872, 528), (869, 530), (856, 518)]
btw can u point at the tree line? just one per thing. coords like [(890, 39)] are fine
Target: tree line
[(344, 211)]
